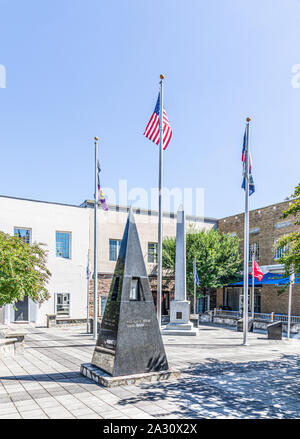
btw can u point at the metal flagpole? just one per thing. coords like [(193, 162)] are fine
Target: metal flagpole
[(292, 280), (88, 293), (95, 241), (252, 295), (195, 286), (246, 237), (160, 185)]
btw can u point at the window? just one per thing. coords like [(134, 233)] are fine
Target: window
[(24, 234), (63, 304), (152, 252), (63, 240), (254, 248), (278, 252), (102, 304), (114, 248), (136, 292), (282, 225), (257, 302), (135, 289)]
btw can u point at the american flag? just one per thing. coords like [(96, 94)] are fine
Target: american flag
[(152, 129), (251, 181)]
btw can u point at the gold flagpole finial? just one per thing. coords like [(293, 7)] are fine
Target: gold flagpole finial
[(248, 119), (96, 138), (161, 76)]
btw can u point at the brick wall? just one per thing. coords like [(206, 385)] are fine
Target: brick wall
[(272, 302), (266, 224), (267, 220), (104, 283), (168, 287)]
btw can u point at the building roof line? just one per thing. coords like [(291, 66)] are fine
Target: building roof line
[(150, 212), (258, 208), (39, 201), (118, 208)]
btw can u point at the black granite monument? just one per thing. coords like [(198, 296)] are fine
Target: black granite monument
[(240, 325), (275, 331), (129, 341)]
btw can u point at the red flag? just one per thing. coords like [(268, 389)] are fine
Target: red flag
[(257, 272)]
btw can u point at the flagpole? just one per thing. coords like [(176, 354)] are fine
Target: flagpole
[(195, 286), (88, 293), (246, 238), (95, 241), (292, 279), (160, 185), (252, 295)]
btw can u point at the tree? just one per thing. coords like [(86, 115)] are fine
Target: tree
[(291, 243), (23, 270), (218, 260)]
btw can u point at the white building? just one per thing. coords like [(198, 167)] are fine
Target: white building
[(64, 230), (67, 232)]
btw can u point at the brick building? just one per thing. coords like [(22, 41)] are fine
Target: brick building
[(266, 226)]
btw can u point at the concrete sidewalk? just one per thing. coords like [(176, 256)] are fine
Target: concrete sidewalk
[(220, 379)]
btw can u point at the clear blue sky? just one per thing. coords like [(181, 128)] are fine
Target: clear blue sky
[(76, 69)]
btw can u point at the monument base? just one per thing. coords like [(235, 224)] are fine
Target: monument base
[(179, 329), (104, 379), (179, 319)]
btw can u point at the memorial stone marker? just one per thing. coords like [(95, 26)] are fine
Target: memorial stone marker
[(240, 325), (129, 341), (275, 331), (180, 307)]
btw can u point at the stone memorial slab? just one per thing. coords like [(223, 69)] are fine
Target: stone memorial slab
[(240, 325), (194, 318), (275, 331)]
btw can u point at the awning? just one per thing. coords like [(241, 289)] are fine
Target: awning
[(268, 279)]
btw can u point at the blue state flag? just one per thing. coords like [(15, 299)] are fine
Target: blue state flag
[(196, 278), (244, 157)]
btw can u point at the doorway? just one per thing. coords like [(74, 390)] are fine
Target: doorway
[(21, 311)]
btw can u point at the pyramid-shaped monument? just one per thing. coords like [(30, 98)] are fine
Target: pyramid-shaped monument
[(129, 341)]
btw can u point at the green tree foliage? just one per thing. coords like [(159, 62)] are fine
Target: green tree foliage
[(217, 256), (291, 243), (23, 270)]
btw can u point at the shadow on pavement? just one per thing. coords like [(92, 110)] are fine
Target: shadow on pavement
[(258, 389)]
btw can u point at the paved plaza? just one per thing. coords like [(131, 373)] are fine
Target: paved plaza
[(220, 379)]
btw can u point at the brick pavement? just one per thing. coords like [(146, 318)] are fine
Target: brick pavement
[(220, 379)]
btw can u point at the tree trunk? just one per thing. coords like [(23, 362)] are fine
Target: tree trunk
[(203, 301)]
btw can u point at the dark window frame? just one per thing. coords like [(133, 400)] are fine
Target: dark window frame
[(152, 252), (17, 233)]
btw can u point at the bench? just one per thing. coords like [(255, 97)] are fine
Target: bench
[(54, 321), (11, 343)]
